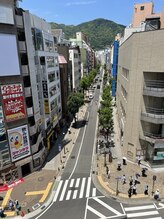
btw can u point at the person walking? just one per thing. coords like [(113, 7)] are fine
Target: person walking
[(156, 195), (130, 192), (146, 190), (134, 190), (123, 179)]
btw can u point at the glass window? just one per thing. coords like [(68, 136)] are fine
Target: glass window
[(48, 46), (50, 61), (51, 76), (142, 8), (37, 39)]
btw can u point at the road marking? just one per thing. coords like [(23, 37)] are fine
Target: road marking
[(142, 214), (107, 206), (7, 196), (161, 204), (72, 181), (94, 192), (95, 212), (155, 218), (139, 208), (82, 188), (88, 187), (68, 194), (63, 191), (46, 191), (77, 182), (57, 191), (75, 194)]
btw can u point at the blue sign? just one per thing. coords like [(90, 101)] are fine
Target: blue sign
[(59, 147)]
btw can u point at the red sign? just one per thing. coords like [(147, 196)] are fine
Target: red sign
[(13, 102), (15, 183)]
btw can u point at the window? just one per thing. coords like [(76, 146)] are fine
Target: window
[(48, 46), (142, 8), (50, 61), (37, 39)]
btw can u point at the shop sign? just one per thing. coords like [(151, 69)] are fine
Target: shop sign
[(13, 102), (19, 142)]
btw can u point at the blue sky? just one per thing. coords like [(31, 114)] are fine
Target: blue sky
[(79, 11)]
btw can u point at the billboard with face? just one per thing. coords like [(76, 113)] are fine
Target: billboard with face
[(13, 102), (19, 142)]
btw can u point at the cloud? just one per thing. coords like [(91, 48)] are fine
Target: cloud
[(81, 3)]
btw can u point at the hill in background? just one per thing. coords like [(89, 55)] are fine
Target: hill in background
[(101, 32)]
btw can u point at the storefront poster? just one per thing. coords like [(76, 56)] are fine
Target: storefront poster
[(13, 102), (19, 142)]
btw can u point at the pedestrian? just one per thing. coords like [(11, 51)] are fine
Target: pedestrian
[(2, 215), (156, 195), (107, 170), (130, 192), (139, 160), (123, 179), (146, 190), (134, 190), (130, 181), (11, 205), (109, 174), (17, 206)]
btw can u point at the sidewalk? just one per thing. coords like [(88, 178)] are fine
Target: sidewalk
[(113, 185)]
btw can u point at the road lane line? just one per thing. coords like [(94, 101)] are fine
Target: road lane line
[(77, 182), (94, 192), (142, 214), (107, 206), (82, 188), (139, 208), (75, 194), (95, 212), (88, 187), (68, 194), (63, 191), (77, 158), (57, 191), (72, 182)]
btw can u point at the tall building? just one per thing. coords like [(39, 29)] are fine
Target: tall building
[(140, 96), (30, 102), (75, 58)]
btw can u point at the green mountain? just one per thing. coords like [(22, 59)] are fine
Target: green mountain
[(101, 32)]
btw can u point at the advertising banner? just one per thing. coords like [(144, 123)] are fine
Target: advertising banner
[(19, 142), (13, 101)]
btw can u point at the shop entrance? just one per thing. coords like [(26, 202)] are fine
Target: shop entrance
[(26, 169)]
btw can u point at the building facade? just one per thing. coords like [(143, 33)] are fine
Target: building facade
[(30, 102), (140, 96)]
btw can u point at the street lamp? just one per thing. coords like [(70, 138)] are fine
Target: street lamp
[(117, 178), (154, 179)]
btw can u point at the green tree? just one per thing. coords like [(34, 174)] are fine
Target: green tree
[(84, 83), (75, 101)]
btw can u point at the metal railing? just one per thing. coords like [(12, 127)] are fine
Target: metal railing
[(154, 135)]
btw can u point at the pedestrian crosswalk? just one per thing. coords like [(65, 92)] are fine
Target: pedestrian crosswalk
[(74, 189), (148, 211)]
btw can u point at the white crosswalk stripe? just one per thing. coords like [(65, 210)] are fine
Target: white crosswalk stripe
[(142, 212), (74, 189)]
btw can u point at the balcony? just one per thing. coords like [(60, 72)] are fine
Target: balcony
[(25, 70), (153, 88), (151, 137), (153, 115), (27, 91), (30, 111), (22, 46), (19, 21)]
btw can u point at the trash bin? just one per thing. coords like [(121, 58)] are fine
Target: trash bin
[(124, 161)]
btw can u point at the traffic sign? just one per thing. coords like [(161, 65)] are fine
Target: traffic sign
[(59, 147)]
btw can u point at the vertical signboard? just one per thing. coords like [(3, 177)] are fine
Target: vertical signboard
[(13, 102), (19, 142)]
